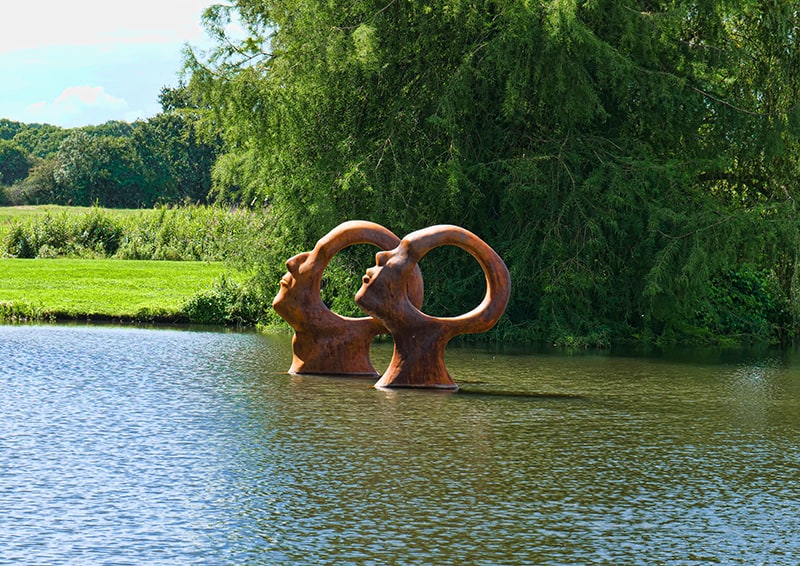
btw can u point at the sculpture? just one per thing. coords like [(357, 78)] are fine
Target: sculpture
[(325, 342), (419, 339)]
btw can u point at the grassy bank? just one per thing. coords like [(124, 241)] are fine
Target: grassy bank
[(103, 289), (163, 264)]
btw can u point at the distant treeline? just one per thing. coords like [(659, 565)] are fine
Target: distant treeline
[(635, 163), (164, 159)]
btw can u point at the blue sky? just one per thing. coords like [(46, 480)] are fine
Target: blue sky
[(85, 62)]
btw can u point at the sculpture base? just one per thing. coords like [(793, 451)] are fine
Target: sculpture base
[(356, 375), (441, 388)]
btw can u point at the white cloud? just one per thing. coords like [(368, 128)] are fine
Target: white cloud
[(32, 24), (88, 96), (132, 49), (78, 105)]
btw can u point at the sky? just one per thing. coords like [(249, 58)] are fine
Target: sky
[(85, 62)]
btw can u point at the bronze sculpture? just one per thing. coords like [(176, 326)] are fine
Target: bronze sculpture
[(419, 339), (325, 342)]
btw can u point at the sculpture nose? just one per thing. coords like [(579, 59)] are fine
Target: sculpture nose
[(381, 258), (293, 263)]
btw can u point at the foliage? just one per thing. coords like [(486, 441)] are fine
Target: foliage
[(744, 305), (9, 128), (621, 156), (40, 140), (14, 162), (164, 159), (38, 187), (227, 302), (175, 163), (102, 170), (191, 233)]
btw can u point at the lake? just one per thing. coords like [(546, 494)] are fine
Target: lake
[(137, 446)]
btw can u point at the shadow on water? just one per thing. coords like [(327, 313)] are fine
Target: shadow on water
[(518, 395), (466, 389)]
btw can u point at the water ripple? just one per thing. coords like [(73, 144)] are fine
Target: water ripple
[(130, 446)]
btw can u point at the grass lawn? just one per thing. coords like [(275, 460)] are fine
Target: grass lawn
[(101, 288)]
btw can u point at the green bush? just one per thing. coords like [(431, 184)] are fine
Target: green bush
[(744, 305), (18, 242), (98, 231), (189, 234), (227, 302)]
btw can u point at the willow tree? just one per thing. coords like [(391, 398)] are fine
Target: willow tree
[(621, 156)]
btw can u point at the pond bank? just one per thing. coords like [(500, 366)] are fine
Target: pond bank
[(106, 290)]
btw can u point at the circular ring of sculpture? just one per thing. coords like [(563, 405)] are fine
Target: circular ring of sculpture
[(420, 339), (325, 342)]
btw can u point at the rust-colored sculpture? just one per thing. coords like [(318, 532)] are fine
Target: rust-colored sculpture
[(325, 342), (419, 339)]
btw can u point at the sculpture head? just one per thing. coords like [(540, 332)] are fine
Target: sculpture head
[(298, 300), (420, 339), (382, 291), (326, 342)]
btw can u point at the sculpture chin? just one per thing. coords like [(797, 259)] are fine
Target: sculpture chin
[(362, 298), (370, 302)]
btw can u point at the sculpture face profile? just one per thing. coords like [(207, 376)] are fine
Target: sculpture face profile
[(419, 339), (325, 342)]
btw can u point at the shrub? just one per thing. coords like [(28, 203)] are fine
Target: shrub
[(98, 231), (187, 234), (19, 243), (226, 302)]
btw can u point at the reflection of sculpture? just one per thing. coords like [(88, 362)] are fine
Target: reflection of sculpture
[(420, 339), (325, 342)]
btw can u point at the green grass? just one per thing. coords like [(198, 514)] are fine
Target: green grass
[(101, 289)]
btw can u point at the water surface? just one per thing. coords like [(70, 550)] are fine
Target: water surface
[(132, 446)]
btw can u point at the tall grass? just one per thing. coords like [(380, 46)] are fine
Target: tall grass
[(196, 233)]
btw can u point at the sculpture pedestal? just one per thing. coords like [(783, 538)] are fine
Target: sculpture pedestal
[(418, 361)]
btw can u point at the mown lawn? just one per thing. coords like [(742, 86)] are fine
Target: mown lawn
[(102, 288)]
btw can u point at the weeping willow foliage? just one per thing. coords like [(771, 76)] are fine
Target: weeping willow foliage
[(623, 157)]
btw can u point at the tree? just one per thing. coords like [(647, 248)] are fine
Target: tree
[(9, 128), (14, 162), (177, 160), (41, 140), (175, 98), (621, 156), (100, 170)]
